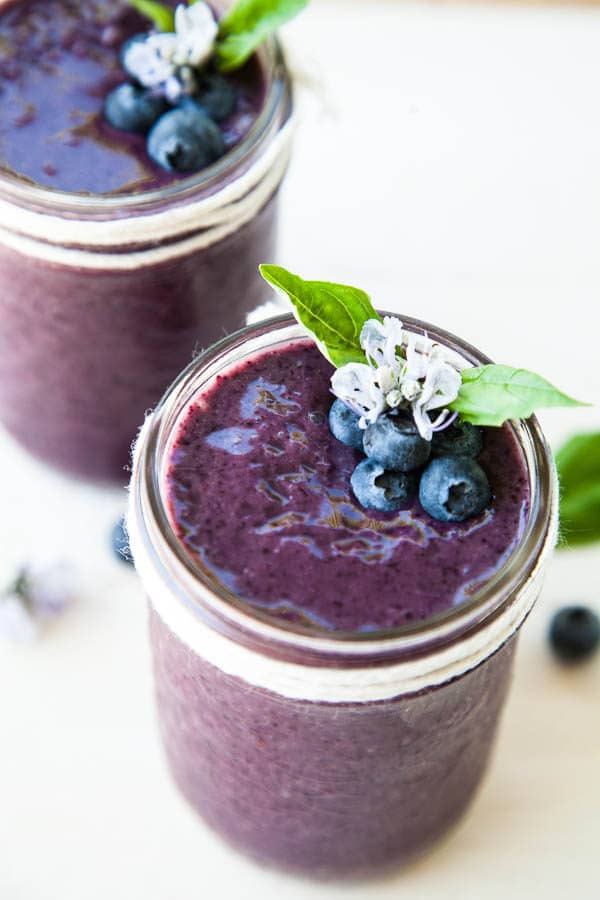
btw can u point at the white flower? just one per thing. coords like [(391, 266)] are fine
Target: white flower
[(355, 385), (440, 388), (196, 30), (422, 380), (380, 339), (387, 377), (164, 60), (151, 61)]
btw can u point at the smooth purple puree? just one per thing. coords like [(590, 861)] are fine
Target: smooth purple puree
[(259, 494), (320, 744), (58, 61)]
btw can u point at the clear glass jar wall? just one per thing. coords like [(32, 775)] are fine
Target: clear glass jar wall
[(104, 299), (338, 754)]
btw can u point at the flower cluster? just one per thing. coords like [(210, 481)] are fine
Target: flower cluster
[(166, 61), (403, 371)]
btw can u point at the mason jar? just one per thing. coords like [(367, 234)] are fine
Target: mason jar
[(320, 752), (104, 299)]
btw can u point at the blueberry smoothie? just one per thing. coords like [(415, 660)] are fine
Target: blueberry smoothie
[(58, 62), (329, 678), (114, 270), (260, 494)]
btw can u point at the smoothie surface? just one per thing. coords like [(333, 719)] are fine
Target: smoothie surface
[(259, 495), (58, 61)]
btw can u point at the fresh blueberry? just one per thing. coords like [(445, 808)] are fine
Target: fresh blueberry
[(575, 633), (120, 542), (131, 108), (454, 488), (216, 96), (374, 488), (185, 139), (343, 424), (459, 439), (395, 443)]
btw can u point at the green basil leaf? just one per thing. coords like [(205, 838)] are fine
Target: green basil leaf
[(578, 461), (162, 16), (247, 24), (578, 464), (489, 395), (580, 516), (333, 313)]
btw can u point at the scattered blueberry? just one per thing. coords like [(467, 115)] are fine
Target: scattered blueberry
[(132, 108), (395, 443), (575, 633), (185, 139), (216, 96), (459, 439), (120, 542), (374, 488), (343, 424), (454, 488)]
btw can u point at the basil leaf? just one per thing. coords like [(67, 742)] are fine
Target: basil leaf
[(333, 313), (489, 395), (580, 516), (578, 463), (247, 24), (162, 16)]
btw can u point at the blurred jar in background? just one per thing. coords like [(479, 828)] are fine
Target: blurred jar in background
[(105, 297)]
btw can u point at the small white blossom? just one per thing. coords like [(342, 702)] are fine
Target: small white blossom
[(394, 399), (151, 61), (165, 60), (380, 339), (387, 377), (41, 593), (355, 385), (196, 31), (50, 588), (410, 389), (422, 380)]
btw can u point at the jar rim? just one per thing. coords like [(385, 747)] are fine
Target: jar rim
[(233, 617), (22, 192)]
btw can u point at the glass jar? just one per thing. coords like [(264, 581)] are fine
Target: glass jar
[(325, 753), (104, 299)]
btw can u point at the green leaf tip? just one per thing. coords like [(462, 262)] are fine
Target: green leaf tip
[(489, 395), (162, 16), (247, 25), (334, 314), (578, 464), (243, 28)]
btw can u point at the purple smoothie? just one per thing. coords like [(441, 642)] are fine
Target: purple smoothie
[(260, 495), (305, 735), (91, 333), (334, 789), (58, 61)]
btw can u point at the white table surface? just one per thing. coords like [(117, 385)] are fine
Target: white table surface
[(448, 162)]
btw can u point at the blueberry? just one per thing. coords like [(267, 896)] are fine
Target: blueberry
[(131, 108), (575, 633), (395, 443), (459, 439), (343, 424), (216, 96), (120, 542), (454, 488), (185, 139), (374, 488)]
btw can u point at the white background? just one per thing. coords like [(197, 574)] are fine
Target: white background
[(447, 162)]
